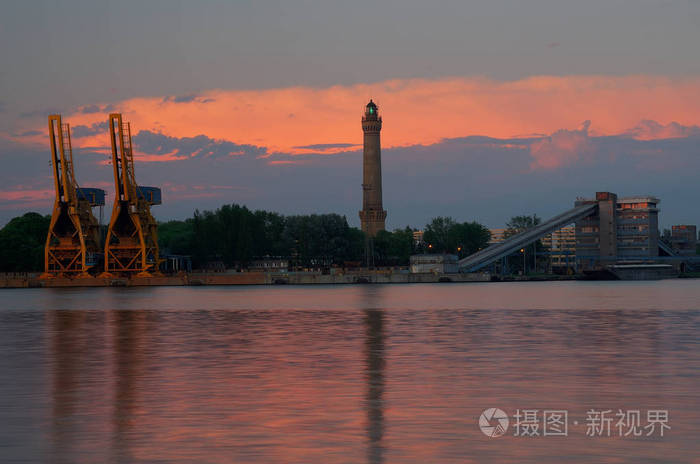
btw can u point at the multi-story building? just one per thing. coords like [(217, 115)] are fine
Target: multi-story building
[(497, 235), (418, 237), (684, 239), (637, 227), (622, 229), (561, 245)]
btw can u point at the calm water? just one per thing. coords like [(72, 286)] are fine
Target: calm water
[(345, 374)]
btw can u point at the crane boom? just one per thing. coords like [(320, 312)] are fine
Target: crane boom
[(131, 247), (122, 158), (72, 243)]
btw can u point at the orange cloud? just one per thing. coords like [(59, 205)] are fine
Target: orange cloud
[(26, 195), (415, 111), (286, 162), (25, 198)]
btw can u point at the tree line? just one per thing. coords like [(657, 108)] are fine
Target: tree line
[(234, 236), (22, 243)]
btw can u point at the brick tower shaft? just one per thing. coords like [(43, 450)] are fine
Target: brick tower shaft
[(373, 215)]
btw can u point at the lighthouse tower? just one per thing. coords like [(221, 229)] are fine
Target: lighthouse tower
[(372, 215)]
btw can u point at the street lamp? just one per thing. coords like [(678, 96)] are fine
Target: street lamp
[(522, 250)]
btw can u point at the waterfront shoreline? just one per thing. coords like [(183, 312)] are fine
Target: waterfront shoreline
[(262, 278)]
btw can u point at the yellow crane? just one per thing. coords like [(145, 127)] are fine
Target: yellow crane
[(73, 243), (131, 247)]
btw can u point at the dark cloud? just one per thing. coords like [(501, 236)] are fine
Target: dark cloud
[(326, 146), (476, 140), (470, 178), (89, 109), (200, 146), (647, 129), (45, 112), (2, 107), (182, 98), (30, 133), (87, 131), (187, 99), (491, 180)]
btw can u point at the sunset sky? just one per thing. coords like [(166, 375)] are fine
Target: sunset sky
[(491, 109)]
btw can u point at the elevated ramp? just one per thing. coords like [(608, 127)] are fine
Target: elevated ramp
[(666, 249), (495, 252)]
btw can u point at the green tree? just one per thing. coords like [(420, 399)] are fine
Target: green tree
[(470, 237), (355, 250), (321, 239), (22, 243), (394, 248), (175, 237), (448, 236), (518, 224), (440, 236)]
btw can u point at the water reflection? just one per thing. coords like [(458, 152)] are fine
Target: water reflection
[(130, 332), (374, 351), (368, 383), (66, 351)]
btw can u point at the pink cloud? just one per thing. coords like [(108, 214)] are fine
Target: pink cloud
[(561, 148), (19, 197), (652, 130), (26, 195), (415, 112)]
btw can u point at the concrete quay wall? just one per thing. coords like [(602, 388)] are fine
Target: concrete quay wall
[(239, 278)]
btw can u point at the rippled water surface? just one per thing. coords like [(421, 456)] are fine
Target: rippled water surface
[(344, 374)]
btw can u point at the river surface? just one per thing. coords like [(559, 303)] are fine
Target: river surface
[(352, 374)]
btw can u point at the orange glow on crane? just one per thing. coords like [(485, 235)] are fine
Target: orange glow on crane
[(131, 247), (73, 242)]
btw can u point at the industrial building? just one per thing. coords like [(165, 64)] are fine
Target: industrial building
[(436, 263), (620, 229), (684, 239), (561, 248), (497, 236), (614, 236)]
